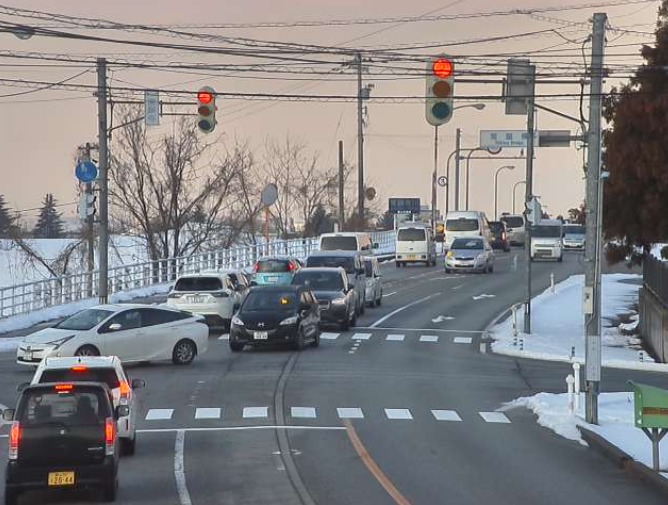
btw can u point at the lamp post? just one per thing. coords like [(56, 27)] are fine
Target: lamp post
[(496, 184), (514, 188)]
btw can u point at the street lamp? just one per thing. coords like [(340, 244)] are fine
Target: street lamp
[(496, 184), (514, 188)]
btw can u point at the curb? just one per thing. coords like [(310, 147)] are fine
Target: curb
[(485, 338), (623, 460)]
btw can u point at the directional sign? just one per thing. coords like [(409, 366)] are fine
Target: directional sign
[(495, 139), (86, 171), (151, 108), (404, 205)]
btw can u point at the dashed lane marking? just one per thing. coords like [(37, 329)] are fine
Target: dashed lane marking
[(329, 336), (395, 337), (361, 336), (462, 340), (303, 412), (398, 414), (494, 417), (428, 338), (207, 413), (350, 413), (446, 415), (255, 412), (159, 414)]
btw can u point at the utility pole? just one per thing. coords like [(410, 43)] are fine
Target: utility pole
[(90, 230), (531, 77), (342, 215), (103, 286), (360, 140), (434, 175), (458, 146), (592, 289)]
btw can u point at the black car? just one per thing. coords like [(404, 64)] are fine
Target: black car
[(500, 239), (335, 295), (353, 264), (274, 314), (63, 435)]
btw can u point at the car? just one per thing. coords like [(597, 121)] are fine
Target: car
[(63, 435), (374, 283), (472, 254), (499, 235), (574, 237), (353, 263), (213, 295), (133, 332), (516, 227), (333, 292), (274, 270), (546, 240), (347, 241), (105, 369), (276, 314), (468, 223), (415, 244)]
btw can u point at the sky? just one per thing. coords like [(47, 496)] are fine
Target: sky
[(42, 128)]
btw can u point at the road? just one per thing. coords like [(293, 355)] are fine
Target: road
[(399, 410)]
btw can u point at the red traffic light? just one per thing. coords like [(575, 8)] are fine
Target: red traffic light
[(204, 97), (442, 68)]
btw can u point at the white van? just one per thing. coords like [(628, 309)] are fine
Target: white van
[(466, 223), (415, 244), (516, 228), (546, 240), (347, 241)]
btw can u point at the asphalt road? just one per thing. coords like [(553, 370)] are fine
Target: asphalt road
[(401, 409)]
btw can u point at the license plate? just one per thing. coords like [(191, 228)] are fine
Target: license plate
[(61, 478), (260, 335), (412, 257), (196, 299), (272, 279)]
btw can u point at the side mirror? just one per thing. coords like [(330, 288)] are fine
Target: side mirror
[(122, 411), (138, 383), (114, 327), (8, 415), (22, 386)]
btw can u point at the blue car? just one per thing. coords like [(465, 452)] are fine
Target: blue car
[(274, 271)]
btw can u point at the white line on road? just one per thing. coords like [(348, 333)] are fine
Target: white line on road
[(446, 415), (234, 428), (179, 469), (207, 413), (159, 414), (494, 417), (428, 338), (394, 312), (389, 294), (458, 287), (255, 412), (463, 340), (395, 337), (440, 330), (398, 414)]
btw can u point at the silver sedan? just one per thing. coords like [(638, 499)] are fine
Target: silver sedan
[(470, 255)]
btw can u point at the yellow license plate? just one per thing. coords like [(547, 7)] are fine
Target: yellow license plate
[(412, 257), (61, 478)]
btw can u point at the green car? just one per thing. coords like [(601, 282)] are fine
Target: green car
[(274, 271)]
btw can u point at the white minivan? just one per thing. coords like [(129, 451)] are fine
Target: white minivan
[(466, 223), (415, 244), (347, 241), (546, 240), (516, 228)]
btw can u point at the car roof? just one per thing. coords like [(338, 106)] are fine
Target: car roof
[(346, 234), (210, 273), (464, 213), (321, 269), (47, 385), (335, 253), (467, 239), (277, 289), (88, 361), (277, 257), (117, 307)]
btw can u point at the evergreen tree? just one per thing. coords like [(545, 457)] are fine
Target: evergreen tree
[(636, 149), (319, 222), (49, 223), (6, 219)]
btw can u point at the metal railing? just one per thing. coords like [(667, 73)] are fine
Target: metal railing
[(32, 296), (655, 277)]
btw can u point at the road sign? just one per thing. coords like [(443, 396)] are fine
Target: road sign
[(269, 194), (442, 181), (370, 193), (496, 139), (86, 171), (404, 205), (151, 108)]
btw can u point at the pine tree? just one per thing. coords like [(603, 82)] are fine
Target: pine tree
[(636, 149), (49, 223), (6, 219)]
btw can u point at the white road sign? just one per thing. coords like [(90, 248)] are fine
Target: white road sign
[(504, 138), (151, 108)]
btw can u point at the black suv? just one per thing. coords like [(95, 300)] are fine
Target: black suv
[(353, 263), (63, 435), (500, 238)]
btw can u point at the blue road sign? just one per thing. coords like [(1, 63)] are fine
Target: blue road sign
[(404, 205), (86, 171)]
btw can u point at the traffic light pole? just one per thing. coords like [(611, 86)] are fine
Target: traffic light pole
[(90, 231), (528, 197), (342, 215), (360, 141), (458, 146), (433, 180), (103, 177)]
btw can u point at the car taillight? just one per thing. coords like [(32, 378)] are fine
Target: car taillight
[(256, 268), (173, 295), (503, 235), (109, 436), (291, 267), (220, 294), (125, 389), (66, 388), (79, 368), (14, 439)]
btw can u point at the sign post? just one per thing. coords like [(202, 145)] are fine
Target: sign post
[(268, 198)]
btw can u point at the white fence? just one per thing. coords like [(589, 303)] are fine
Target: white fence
[(25, 298)]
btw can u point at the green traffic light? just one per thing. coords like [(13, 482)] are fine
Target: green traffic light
[(441, 110)]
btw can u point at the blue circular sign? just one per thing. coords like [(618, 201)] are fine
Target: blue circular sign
[(86, 171)]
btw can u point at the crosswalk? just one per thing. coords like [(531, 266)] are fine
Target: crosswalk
[(313, 413), (397, 337)]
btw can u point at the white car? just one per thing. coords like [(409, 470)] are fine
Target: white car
[(106, 369), (374, 285), (130, 331), (213, 295)]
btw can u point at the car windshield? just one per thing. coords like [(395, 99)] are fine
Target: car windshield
[(338, 243), (496, 226), (269, 300), (574, 230), (79, 374), (273, 266), (513, 221), (320, 281), (460, 243), (198, 284), (461, 224), (546, 231), (331, 261), (73, 407), (84, 320), (411, 234)]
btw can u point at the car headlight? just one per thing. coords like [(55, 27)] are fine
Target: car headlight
[(57, 343), (289, 320), (450, 255), (236, 321), (339, 301)]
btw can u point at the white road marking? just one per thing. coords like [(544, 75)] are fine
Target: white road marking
[(389, 294), (159, 414), (428, 338), (482, 296), (237, 428), (361, 336), (255, 412), (207, 413), (395, 338), (224, 336), (436, 330), (329, 336), (306, 412), (494, 417), (179, 469), (463, 340), (395, 312), (446, 415), (440, 319), (350, 413), (398, 414), (458, 287)]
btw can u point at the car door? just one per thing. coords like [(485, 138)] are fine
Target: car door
[(161, 332), (123, 336)]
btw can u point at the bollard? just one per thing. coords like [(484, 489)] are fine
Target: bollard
[(552, 282), (641, 356), (521, 344), (576, 376), (570, 381), (572, 352)]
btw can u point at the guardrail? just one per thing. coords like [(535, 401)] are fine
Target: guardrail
[(29, 297)]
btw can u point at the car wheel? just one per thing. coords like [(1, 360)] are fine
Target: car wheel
[(87, 350), (236, 346), (299, 343), (491, 269), (397, 264), (11, 497), (184, 352), (561, 258), (316, 340), (353, 321), (363, 307), (345, 325), (379, 300), (128, 446), (109, 490), (447, 270)]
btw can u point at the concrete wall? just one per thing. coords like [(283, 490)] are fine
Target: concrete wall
[(654, 323)]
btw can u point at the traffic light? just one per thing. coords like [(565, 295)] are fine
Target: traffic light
[(87, 205), (533, 211), (206, 109), (440, 90)]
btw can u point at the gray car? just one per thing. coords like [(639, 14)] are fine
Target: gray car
[(473, 254)]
